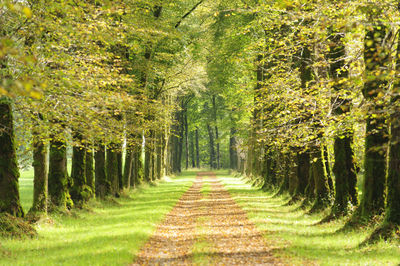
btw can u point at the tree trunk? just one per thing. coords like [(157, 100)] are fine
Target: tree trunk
[(192, 148), (128, 167), (393, 199), (325, 157), (147, 161), (9, 172), (211, 144), (344, 168), (120, 170), (58, 176), (293, 181), (186, 141), (392, 215), (269, 172), (112, 169), (102, 183), (80, 191), (137, 174), (90, 171), (218, 164), (322, 193), (376, 141), (197, 149), (159, 154), (40, 181), (345, 175), (302, 173), (153, 160), (233, 156)]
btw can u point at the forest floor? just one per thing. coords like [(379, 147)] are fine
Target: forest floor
[(192, 219)]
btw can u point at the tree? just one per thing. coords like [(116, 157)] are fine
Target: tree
[(9, 172)]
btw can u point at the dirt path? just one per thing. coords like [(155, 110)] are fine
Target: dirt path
[(206, 227)]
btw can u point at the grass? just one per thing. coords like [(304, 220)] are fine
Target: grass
[(26, 189), (110, 233), (296, 237)]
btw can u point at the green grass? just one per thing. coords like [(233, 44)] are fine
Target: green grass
[(205, 189), (294, 235), (26, 189), (109, 234)]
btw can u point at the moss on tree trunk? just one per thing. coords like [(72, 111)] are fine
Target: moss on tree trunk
[(128, 167), (9, 172), (293, 181), (120, 170), (80, 191), (327, 167), (58, 176), (40, 181), (90, 170), (268, 171), (376, 140), (322, 193), (302, 174), (393, 199), (138, 167), (112, 169), (102, 183), (159, 155), (233, 156)]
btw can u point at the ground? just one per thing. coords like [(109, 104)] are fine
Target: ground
[(189, 220)]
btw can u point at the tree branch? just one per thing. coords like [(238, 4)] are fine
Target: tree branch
[(188, 13)]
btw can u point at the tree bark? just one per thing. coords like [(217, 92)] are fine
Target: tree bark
[(90, 171), (186, 141), (9, 172), (128, 167), (148, 159), (40, 181), (197, 149), (192, 149), (120, 170), (102, 183), (376, 141), (302, 174), (211, 145), (218, 155), (344, 168), (159, 156), (233, 156), (80, 191), (58, 176), (322, 193), (112, 168)]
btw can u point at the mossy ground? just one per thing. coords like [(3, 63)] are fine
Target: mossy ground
[(109, 233)]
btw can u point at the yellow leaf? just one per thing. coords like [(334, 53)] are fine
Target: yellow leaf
[(27, 11), (35, 94)]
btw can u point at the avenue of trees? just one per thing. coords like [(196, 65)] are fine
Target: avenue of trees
[(300, 95)]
